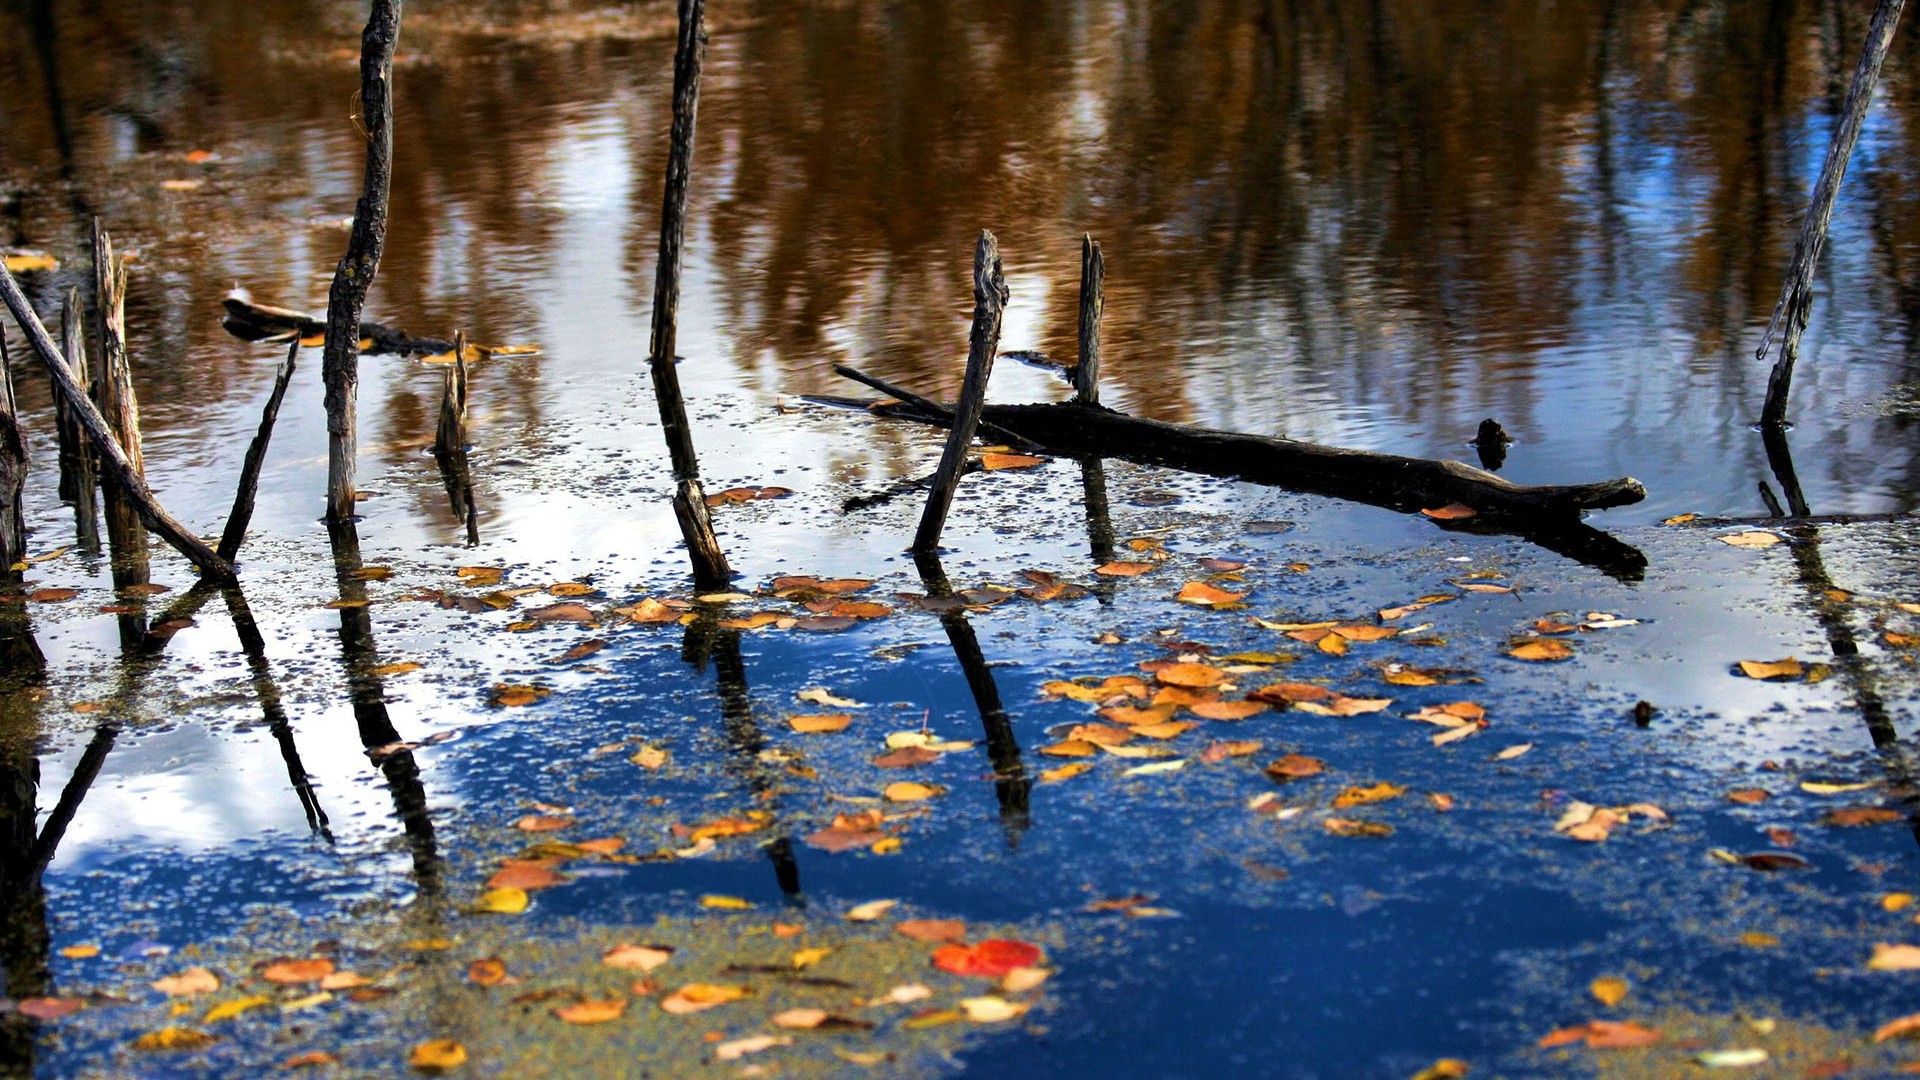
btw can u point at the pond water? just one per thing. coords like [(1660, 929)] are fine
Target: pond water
[(1368, 225)]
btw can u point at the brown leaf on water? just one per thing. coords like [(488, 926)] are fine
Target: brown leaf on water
[(1855, 816), (508, 696), (1295, 767), (649, 610), (175, 1038), (797, 587), (1099, 734), (566, 611), (1364, 633), (480, 575), (849, 832), (1124, 569), (1204, 595), (1770, 861), (1165, 730), (1132, 717), (1182, 696), (906, 757), (1215, 753), (49, 1008), (1290, 693), (650, 758), (490, 971), (934, 931), (908, 791), (1539, 649), (824, 724), (1749, 796), (593, 1010), (1110, 687), (52, 596), (1361, 796), (401, 668), (631, 957), (292, 972), (1065, 772), (526, 874), (1355, 828), (1789, 668), (1903, 1028), (579, 652), (1227, 710), (1070, 748), (1452, 512), (1452, 714), (543, 823)]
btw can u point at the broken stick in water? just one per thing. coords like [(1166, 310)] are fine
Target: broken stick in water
[(77, 479), (710, 569), (236, 531), (1093, 275), (989, 304), (450, 437), (113, 393), (13, 478)]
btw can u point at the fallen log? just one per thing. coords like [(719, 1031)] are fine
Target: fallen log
[(1399, 483)]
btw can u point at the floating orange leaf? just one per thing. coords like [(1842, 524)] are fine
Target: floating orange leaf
[(994, 462), (1341, 705), (1065, 772), (1452, 512), (991, 958), (1124, 569), (1290, 693), (1861, 815), (824, 724), (1604, 1035), (593, 1010), (1295, 767), (543, 823), (1132, 717), (310, 969), (491, 971), (908, 791), (1227, 710), (1218, 752), (1070, 748), (1190, 675), (1204, 595), (1539, 649), (194, 980), (1353, 827), (525, 874), (699, 997), (1361, 796), (637, 957)]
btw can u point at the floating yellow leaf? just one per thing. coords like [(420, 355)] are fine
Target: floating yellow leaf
[(229, 1010), (1156, 768), (503, 901), (1227, 710), (1896, 901), (21, 262), (804, 958), (1818, 787), (1065, 772), (1758, 939), (174, 1038), (437, 1055), (908, 791), (1750, 539), (734, 1049), (725, 903), (1361, 796), (992, 1010), (80, 952), (593, 1010), (820, 725), (699, 997), (1512, 752), (1895, 957), (1609, 990), (1340, 705), (1789, 668), (995, 462), (650, 758)]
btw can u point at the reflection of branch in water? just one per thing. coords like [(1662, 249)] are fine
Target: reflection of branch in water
[(1780, 460), (1578, 541), (25, 942), (368, 696), (705, 641), (1831, 613), (458, 478), (1100, 538), (1011, 784), (254, 644)]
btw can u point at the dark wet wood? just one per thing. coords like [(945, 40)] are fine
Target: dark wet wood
[(710, 569), (983, 343), (895, 390), (1093, 275), (1796, 295), (235, 533), (1400, 483), (450, 435), (78, 482), (113, 393), (13, 478), (249, 321), (112, 460), (340, 358)]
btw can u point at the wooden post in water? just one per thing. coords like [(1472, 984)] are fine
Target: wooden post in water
[(1093, 275), (113, 393), (450, 437), (1796, 295), (235, 533), (989, 305), (113, 461), (710, 569), (13, 477), (340, 357), (78, 479)]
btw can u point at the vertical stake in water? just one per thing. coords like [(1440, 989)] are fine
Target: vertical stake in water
[(710, 569), (1093, 275), (113, 393), (13, 477), (450, 437), (989, 305), (340, 357), (77, 474), (1796, 296)]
